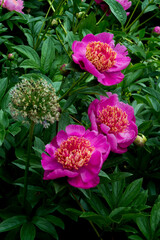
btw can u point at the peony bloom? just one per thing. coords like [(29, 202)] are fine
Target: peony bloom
[(125, 4), (13, 5), (77, 154), (157, 30), (98, 55), (114, 119)]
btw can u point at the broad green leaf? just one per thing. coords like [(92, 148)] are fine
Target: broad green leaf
[(155, 217), (4, 121), (118, 11), (39, 146), (106, 193), (12, 223), (29, 53), (3, 84), (55, 220), (135, 237), (28, 231), (29, 63), (14, 129), (2, 134), (64, 121), (100, 220), (143, 224), (45, 226), (47, 54), (6, 16), (130, 193)]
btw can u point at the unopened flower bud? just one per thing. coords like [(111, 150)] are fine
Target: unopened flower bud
[(157, 30), (63, 70), (79, 14), (10, 56), (140, 140), (54, 22)]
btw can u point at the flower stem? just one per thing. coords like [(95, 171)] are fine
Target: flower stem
[(91, 223), (27, 162), (138, 16), (73, 85), (132, 14), (57, 9), (76, 28)]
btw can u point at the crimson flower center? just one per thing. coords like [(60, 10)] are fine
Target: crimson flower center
[(74, 152), (100, 55), (115, 118)]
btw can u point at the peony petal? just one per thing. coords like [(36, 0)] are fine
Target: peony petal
[(106, 38), (78, 183), (58, 173), (61, 137), (75, 130), (112, 78), (49, 163)]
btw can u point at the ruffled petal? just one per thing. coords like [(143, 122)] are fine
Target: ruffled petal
[(75, 130), (58, 173), (77, 182)]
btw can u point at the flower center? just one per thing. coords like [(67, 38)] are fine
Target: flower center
[(100, 55), (74, 152), (115, 118)]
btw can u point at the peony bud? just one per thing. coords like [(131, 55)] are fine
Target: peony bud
[(140, 140), (10, 56), (63, 70)]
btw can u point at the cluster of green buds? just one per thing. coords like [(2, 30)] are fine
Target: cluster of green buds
[(34, 100)]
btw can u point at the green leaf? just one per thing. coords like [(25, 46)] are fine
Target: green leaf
[(135, 237), (118, 11), (45, 226), (55, 220), (12, 223), (92, 91), (3, 84), (47, 54), (2, 135), (143, 224), (96, 218), (4, 121), (6, 16), (39, 146), (130, 193), (63, 121), (28, 231), (29, 53), (14, 128), (155, 217), (29, 63)]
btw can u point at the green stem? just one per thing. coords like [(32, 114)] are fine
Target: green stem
[(73, 85), (42, 27), (138, 16), (49, 24), (27, 163), (62, 44), (91, 223), (148, 19), (100, 20), (132, 14), (76, 28)]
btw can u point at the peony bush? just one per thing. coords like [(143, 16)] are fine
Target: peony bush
[(79, 119)]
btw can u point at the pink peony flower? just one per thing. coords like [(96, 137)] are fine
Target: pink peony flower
[(114, 119), (77, 154), (125, 4), (13, 5), (157, 30), (98, 55)]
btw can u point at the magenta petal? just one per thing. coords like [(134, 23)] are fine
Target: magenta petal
[(111, 78), (93, 121), (75, 130), (89, 38), (61, 136), (58, 173), (49, 163), (106, 38), (77, 182)]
